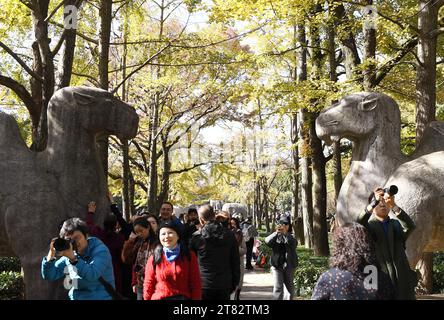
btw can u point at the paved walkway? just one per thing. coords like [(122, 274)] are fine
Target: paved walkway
[(258, 285)]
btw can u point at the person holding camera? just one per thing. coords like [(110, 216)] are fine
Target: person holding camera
[(85, 261), (390, 235), (284, 259)]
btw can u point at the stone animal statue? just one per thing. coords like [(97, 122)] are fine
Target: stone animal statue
[(39, 190), (236, 210), (372, 122)]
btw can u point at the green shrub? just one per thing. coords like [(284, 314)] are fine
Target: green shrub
[(438, 272), (308, 272), (10, 264), (11, 286), (264, 251), (305, 278)]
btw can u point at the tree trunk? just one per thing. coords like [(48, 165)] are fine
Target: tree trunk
[(152, 189), (126, 197), (36, 92), (259, 203), (320, 231), (266, 203), (153, 206), (47, 68), (306, 196), (426, 97), (306, 180), (256, 212), (347, 40), (369, 52), (294, 146), (337, 169), (65, 68), (166, 166), (105, 13), (126, 202), (426, 70), (132, 193), (295, 176)]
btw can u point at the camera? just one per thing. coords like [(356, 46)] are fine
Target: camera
[(61, 244), (392, 190)]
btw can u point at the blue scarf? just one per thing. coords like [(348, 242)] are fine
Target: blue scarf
[(172, 254)]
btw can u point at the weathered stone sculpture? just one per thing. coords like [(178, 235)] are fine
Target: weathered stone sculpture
[(38, 191), (236, 209), (372, 122)]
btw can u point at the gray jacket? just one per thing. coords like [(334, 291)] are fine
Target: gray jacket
[(275, 240)]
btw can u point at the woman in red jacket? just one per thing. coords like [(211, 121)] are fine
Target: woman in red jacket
[(172, 273)]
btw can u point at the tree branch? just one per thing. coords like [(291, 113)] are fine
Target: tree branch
[(187, 46), (131, 159), (20, 62), (23, 94), (386, 67), (81, 35), (206, 112), (191, 168), (137, 69), (436, 32), (172, 10), (28, 4), (89, 77), (398, 23), (54, 11), (197, 63), (222, 41), (118, 177), (59, 43), (142, 154)]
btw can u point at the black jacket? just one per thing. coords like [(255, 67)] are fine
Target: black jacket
[(189, 230), (282, 246), (218, 254)]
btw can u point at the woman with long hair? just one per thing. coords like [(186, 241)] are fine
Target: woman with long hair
[(353, 273), (136, 251)]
